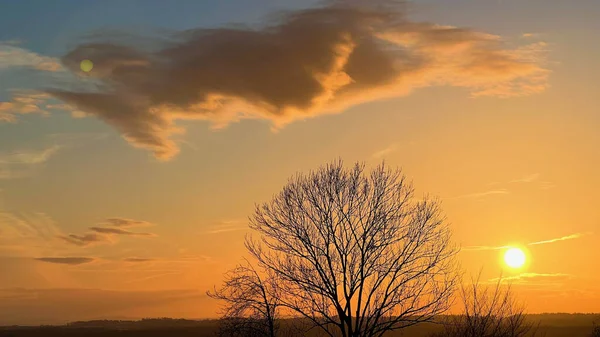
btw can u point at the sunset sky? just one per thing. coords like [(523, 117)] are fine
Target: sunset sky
[(125, 191)]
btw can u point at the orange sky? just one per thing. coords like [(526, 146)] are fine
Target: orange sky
[(131, 199)]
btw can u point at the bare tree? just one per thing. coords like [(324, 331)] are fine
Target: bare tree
[(488, 312), (354, 252), (250, 304)]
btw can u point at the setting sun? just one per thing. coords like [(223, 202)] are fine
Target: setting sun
[(514, 258)]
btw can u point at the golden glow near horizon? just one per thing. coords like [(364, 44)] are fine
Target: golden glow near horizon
[(515, 258)]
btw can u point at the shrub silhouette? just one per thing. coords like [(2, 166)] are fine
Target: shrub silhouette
[(596, 329), (488, 311)]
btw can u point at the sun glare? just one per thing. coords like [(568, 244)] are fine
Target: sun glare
[(514, 258)]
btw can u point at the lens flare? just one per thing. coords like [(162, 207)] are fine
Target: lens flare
[(86, 65)]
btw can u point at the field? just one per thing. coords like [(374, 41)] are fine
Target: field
[(550, 325)]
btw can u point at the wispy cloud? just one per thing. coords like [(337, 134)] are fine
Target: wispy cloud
[(384, 152), (482, 194), (227, 226), (469, 248), (22, 163), (23, 234), (527, 179), (224, 230), (309, 63), (155, 276), (24, 157), (562, 238), (533, 277), (66, 260)]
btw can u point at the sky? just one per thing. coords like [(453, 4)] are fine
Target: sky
[(125, 190)]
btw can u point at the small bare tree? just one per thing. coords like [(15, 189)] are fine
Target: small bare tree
[(488, 312), (596, 329), (353, 252), (250, 304)]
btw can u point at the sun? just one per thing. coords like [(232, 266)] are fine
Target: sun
[(514, 258)]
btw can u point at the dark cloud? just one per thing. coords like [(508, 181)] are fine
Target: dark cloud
[(117, 231), (123, 222), (84, 240), (106, 231), (138, 259), (66, 260), (310, 62)]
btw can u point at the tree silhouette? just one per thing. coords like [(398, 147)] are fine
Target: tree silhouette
[(354, 252)]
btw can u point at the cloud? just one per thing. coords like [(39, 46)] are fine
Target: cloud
[(118, 231), (227, 226), (523, 180), (85, 239), (124, 222), (22, 163), (155, 276), (482, 194), (22, 103), (106, 232), (13, 56), (533, 277), (527, 179), (224, 230), (23, 234), (66, 260), (309, 63), (562, 238), (138, 259), (385, 152), (28, 157), (469, 248)]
